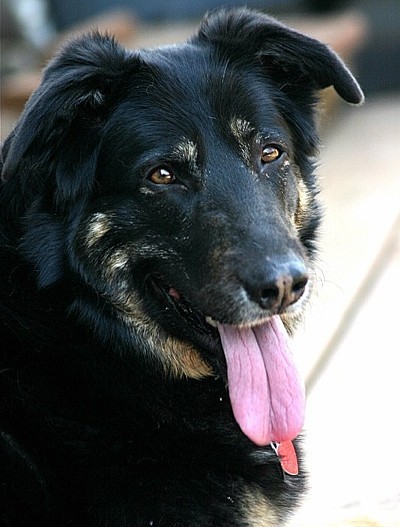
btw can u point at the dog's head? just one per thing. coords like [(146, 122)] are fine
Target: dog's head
[(176, 185)]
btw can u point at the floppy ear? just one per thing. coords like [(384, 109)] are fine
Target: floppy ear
[(293, 59), (58, 132)]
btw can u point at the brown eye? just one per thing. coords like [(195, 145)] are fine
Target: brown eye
[(270, 153), (162, 176)]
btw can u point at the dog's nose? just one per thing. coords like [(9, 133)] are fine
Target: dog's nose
[(278, 286)]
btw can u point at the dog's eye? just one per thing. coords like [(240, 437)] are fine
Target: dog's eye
[(161, 176), (270, 153)]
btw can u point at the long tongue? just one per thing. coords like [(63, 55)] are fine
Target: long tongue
[(266, 393)]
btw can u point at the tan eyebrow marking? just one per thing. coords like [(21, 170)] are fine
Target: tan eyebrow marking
[(187, 151), (241, 130)]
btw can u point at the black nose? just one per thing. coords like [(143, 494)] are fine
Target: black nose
[(278, 285)]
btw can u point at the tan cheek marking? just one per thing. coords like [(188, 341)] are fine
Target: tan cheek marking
[(117, 261), (99, 225), (184, 360), (113, 264), (302, 205), (257, 510), (179, 358)]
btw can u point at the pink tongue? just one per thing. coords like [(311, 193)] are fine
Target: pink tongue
[(265, 389)]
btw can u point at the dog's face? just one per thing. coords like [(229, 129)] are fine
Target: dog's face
[(199, 199), (174, 187)]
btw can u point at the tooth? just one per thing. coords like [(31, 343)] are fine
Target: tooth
[(211, 321)]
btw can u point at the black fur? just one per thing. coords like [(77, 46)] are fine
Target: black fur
[(134, 203)]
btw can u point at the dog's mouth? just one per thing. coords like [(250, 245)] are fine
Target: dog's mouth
[(173, 300), (266, 393)]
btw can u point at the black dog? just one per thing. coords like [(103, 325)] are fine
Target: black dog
[(158, 219)]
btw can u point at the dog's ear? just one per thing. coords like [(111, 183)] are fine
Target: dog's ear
[(59, 130), (294, 60)]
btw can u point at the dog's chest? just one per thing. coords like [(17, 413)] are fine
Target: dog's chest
[(257, 511)]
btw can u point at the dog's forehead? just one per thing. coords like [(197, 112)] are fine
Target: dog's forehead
[(188, 93)]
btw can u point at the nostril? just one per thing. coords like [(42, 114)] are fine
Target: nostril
[(299, 286), (295, 291), (269, 294)]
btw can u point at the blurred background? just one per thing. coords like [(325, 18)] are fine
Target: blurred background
[(349, 348)]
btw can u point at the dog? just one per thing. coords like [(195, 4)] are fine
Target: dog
[(159, 218)]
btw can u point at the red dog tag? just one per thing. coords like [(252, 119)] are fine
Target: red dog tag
[(288, 457)]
